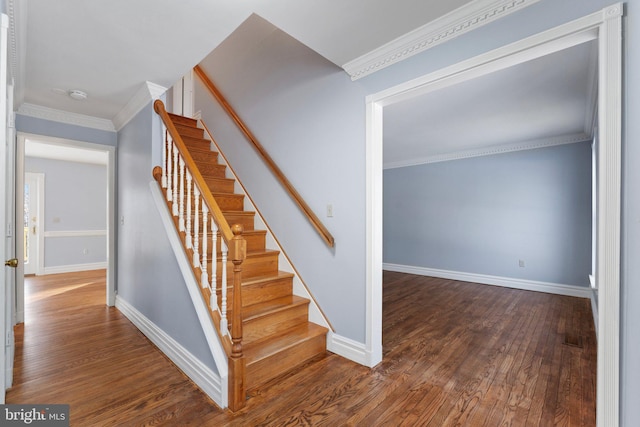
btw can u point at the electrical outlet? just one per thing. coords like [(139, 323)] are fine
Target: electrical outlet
[(521, 263)]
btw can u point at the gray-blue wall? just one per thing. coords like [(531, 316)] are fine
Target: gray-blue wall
[(483, 215), (63, 130), (310, 118), (314, 127), (75, 199), (148, 275)]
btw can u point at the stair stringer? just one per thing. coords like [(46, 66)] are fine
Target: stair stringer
[(193, 287), (299, 287)]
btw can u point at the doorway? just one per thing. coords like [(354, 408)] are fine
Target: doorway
[(605, 27), (80, 152)]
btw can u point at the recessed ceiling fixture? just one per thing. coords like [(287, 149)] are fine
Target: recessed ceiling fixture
[(78, 95)]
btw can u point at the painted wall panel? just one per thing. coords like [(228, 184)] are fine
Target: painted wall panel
[(63, 130), (310, 118), (75, 200), (483, 215), (148, 275)]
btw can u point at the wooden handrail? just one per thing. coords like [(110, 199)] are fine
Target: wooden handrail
[(311, 216), (225, 229)]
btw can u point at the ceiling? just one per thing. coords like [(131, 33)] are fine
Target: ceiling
[(109, 49), (546, 101)]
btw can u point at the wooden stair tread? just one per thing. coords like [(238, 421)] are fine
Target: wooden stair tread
[(258, 350), (267, 278), (266, 308)]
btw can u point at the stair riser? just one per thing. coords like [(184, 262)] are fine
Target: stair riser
[(206, 157), (217, 185), (184, 121), (230, 202), (275, 323), (211, 169), (257, 292), (264, 291), (190, 132), (260, 372), (247, 221), (255, 242), (252, 266)]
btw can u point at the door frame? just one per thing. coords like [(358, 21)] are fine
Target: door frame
[(606, 27), (111, 202), (38, 178)]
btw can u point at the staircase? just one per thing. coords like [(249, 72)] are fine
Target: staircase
[(276, 336)]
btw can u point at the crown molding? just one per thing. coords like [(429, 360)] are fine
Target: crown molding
[(60, 116), (492, 150), (460, 21), (147, 93)]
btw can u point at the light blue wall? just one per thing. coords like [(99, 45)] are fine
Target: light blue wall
[(75, 200), (38, 126), (483, 215), (310, 118), (148, 275)]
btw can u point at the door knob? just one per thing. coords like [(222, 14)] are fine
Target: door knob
[(13, 262)]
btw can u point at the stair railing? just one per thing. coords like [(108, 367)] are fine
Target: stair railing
[(199, 220), (297, 198)]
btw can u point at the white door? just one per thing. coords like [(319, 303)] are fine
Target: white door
[(7, 248), (33, 214)]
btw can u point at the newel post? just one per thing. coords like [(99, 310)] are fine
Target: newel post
[(237, 253)]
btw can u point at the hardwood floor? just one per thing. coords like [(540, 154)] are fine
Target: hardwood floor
[(455, 353)]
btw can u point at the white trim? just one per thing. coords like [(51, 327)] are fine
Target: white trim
[(75, 233), (485, 279), (348, 348), (60, 116), (490, 151), (39, 266), (148, 92), (203, 376), (609, 213), (606, 26), (17, 46), (594, 310), (193, 287), (72, 268), (462, 20)]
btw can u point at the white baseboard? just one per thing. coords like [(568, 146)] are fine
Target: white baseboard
[(594, 310), (75, 267), (199, 373), (507, 282), (349, 349)]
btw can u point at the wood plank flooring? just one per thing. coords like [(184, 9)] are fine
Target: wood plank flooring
[(455, 353)]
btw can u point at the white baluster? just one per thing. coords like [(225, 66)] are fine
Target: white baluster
[(189, 241), (204, 279), (181, 207), (214, 255), (196, 226), (165, 145), (224, 324), (175, 180), (169, 168)]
